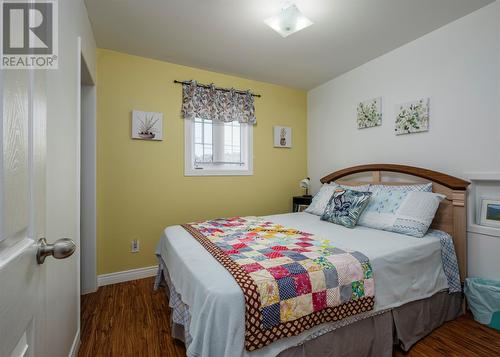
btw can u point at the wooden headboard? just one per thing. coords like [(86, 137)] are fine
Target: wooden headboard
[(451, 216)]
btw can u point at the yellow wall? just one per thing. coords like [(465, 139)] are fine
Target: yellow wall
[(141, 187)]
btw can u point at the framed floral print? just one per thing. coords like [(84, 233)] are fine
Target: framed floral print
[(369, 113), (413, 117)]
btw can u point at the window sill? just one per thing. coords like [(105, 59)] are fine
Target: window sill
[(204, 172)]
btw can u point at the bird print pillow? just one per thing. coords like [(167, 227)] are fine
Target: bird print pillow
[(345, 207)]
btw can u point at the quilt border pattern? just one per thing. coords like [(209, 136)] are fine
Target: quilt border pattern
[(256, 336)]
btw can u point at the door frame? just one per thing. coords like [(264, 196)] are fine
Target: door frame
[(88, 265), (87, 211)]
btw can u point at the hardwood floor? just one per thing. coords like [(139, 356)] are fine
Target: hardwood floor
[(130, 319), (127, 319)]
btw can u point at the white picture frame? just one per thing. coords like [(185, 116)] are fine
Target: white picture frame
[(369, 113), (490, 213), (282, 137), (413, 117), (147, 125)]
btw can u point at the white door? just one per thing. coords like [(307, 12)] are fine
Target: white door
[(23, 280)]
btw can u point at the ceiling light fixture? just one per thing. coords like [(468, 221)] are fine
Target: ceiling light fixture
[(289, 20)]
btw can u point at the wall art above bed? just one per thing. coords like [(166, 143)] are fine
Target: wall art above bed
[(147, 125), (369, 113), (413, 117)]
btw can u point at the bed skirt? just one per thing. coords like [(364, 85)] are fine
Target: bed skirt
[(371, 336), (377, 335)]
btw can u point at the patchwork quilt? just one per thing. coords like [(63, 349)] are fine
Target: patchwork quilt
[(291, 280)]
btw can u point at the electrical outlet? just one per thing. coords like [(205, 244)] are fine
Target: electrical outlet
[(134, 247)]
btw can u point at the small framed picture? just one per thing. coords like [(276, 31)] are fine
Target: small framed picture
[(282, 137), (490, 213), (147, 125)]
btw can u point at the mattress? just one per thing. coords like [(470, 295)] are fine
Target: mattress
[(405, 269)]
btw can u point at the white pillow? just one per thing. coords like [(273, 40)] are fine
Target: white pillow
[(321, 199), (380, 213), (416, 213), (412, 215)]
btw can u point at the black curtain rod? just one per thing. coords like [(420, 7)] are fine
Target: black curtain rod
[(216, 88)]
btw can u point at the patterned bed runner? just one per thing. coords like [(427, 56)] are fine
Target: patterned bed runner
[(291, 280)]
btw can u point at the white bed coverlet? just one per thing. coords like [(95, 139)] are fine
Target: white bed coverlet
[(405, 269)]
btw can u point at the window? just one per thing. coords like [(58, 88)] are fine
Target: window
[(217, 148)]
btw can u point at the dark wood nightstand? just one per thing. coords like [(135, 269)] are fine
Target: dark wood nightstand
[(300, 203)]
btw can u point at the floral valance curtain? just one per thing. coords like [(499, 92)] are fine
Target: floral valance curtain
[(215, 104)]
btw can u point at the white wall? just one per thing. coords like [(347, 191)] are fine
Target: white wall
[(63, 128), (458, 67)]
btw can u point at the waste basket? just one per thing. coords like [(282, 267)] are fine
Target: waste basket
[(483, 296)]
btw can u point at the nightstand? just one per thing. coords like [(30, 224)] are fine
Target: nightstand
[(300, 203)]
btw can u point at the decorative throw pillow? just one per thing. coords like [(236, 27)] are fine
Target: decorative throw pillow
[(345, 207), (406, 212), (321, 199), (385, 202)]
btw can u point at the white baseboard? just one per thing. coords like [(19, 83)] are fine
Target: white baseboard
[(127, 275), (75, 346)]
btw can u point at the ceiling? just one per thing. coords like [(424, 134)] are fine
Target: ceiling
[(229, 36)]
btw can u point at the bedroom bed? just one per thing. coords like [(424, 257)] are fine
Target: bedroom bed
[(413, 292)]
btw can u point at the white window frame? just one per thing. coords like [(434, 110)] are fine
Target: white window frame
[(190, 169)]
